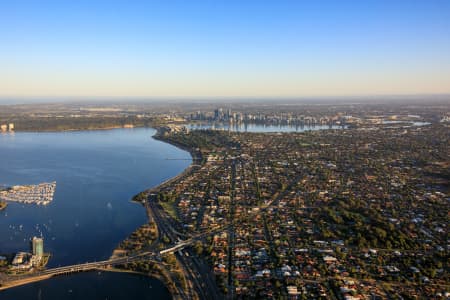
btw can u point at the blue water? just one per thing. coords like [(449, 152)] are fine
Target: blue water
[(97, 173), (92, 285)]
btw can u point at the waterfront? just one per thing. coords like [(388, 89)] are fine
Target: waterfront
[(97, 173), (261, 127)]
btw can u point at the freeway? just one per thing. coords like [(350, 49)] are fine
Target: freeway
[(199, 277)]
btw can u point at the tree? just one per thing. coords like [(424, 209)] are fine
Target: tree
[(165, 239), (198, 248)]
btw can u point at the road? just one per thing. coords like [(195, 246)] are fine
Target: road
[(199, 276)]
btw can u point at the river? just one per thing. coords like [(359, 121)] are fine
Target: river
[(96, 174)]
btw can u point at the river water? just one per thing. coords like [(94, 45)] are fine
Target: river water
[(96, 174), (91, 285)]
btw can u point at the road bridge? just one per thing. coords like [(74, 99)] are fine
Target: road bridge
[(26, 278)]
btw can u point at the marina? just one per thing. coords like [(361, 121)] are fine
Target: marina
[(40, 194)]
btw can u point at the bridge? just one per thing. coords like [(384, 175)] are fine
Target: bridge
[(26, 278), (89, 266), (96, 265), (174, 248)]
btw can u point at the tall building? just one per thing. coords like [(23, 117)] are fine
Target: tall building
[(216, 114), (38, 246)]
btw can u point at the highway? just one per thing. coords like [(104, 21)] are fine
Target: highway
[(199, 277)]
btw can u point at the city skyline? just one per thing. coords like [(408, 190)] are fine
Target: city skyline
[(232, 49)]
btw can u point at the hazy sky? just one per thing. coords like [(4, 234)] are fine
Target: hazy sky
[(223, 48)]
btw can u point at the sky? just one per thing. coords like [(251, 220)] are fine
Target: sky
[(244, 48)]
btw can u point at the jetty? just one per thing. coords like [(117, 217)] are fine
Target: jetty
[(40, 194)]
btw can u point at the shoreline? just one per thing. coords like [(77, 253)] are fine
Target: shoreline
[(195, 157), (75, 129), (153, 126)]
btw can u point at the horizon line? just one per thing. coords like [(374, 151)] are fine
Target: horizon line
[(65, 98)]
